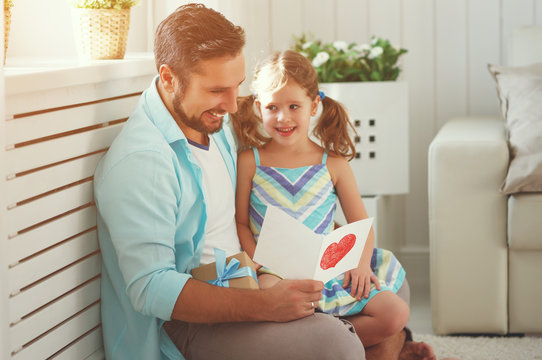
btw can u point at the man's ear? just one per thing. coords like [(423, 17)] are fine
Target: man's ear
[(167, 78)]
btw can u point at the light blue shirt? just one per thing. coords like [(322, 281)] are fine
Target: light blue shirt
[(151, 224)]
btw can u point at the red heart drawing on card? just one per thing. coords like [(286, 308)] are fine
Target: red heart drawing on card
[(336, 251)]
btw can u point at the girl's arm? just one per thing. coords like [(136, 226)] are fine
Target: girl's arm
[(348, 194), (246, 167), (354, 210)]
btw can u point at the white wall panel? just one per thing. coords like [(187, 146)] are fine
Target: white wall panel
[(353, 21), (89, 344), (53, 287), (61, 336), (47, 179), (41, 265), (50, 233), (56, 312), (318, 18), (419, 65), (80, 85), (515, 13), (286, 20), (61, 121), (538, 12), (51, 36), (49, 152), (483, 47), (29, 214), (451, 59), (256, 22), (385, 20), (228, 8), (257, 25)]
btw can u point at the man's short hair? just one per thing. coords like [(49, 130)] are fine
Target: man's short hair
[(193, 33)]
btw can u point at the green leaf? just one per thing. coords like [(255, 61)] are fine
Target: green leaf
[(352, 64), (375, 76)]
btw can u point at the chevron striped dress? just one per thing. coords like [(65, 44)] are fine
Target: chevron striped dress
[(307, 193)]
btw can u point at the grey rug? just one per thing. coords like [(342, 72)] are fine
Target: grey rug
[(484, 348)]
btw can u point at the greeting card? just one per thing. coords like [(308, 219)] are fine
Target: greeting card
[(291, 249)]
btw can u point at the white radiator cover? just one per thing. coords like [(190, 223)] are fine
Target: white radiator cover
[(379, 112)]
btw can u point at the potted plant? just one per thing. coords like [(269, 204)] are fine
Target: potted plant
[(101, 27), (363, 77), (8, 4), (342, 62)]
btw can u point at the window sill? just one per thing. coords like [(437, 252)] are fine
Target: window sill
[(24, 75)]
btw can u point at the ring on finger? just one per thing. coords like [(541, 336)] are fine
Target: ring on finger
[(312, 304)]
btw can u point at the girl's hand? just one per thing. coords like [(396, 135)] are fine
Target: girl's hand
[(267, 280), (361, 281)]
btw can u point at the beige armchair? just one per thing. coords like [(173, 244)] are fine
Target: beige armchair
[(485, 246)]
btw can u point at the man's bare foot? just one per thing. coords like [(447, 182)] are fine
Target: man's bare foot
[(413, 350)]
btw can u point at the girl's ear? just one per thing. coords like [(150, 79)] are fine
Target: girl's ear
[(259, 107), (315, 102)]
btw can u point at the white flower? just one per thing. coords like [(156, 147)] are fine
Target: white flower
[(320, 58), (375, 52), (304, 54), (362, 48), (340, 45), (306, 45), (374, 41)]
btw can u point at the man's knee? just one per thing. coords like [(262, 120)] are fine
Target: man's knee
[(334, 338)]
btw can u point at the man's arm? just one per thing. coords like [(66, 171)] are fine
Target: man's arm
[(287, 300), (137, 198), (138, 203)]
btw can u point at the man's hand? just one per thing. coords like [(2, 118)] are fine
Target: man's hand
[(293, 299), (361, 281), (287, 300)]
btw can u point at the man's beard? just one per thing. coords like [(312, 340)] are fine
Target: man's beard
[(192, 121)]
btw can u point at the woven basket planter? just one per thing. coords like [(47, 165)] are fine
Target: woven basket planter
[(7, 25), (101, 33)]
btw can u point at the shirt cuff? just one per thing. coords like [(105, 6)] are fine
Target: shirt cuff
[(167, 291)]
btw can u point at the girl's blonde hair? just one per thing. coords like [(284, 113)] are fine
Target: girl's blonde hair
[(271, 75)]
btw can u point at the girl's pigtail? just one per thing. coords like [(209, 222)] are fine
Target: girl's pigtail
[(246, 124), (332, 129)]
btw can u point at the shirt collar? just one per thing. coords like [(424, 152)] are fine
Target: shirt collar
[(160, 115)]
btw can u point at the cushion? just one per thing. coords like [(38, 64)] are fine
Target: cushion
[(524, 226), (520, 95)]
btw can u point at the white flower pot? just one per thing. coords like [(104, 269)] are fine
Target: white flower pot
[(379, 112)]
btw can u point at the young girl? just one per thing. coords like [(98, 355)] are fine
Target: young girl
[(286, 169)]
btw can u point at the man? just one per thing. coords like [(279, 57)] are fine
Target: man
[(165, 197)]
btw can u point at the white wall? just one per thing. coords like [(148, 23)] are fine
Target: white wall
[(43, 29), (450, 43)]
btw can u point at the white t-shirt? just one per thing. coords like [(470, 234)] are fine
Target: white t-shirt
[(220, 231)]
